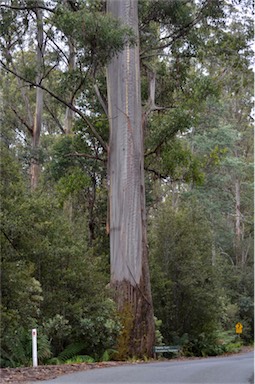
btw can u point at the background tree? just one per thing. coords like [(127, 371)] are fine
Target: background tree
[(186, 289)]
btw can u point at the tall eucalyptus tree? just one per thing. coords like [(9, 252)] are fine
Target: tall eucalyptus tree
[(128, 238)]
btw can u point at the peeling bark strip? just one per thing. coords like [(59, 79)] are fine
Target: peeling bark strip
[(128, 240)]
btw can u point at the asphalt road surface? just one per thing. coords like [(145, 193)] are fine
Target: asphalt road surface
[(237, 369)]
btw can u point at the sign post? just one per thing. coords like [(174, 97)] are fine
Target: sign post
[(34, 347)]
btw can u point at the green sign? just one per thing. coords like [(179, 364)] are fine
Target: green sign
[(166, 348)]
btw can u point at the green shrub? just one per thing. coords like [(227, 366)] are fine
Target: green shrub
[(203, 345), (158, 334), (212, 344), (233, 347), (100, 330), (57, 330)]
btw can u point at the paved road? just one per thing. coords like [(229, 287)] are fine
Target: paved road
[(237, 369)]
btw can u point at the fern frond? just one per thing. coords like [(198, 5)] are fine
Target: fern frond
[(70, 351), (44, 351)]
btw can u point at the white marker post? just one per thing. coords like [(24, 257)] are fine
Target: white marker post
[(34, 347)]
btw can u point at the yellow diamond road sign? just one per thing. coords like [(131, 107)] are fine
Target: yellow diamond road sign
[(239, 328)]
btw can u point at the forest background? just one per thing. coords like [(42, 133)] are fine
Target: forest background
[(196, 87)]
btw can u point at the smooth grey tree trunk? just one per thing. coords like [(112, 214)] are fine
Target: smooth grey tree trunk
[(238, 225), (69, 115), (35, 167), (128, 240)]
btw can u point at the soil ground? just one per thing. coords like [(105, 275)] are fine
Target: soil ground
[(45, 372)]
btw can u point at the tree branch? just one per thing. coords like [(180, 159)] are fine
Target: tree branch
[(54, 117), (150, 106), (9, 240), (162, 176), (76, 154), (74, 7), (157, 173), (26, 100), (28, 7), (82, 81), (56, 45), (71, 106), (155, 149), (181, 33), (101, 100), (49, 71), (23, 121)]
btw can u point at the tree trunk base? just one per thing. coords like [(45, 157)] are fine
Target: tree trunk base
[(136, 314)]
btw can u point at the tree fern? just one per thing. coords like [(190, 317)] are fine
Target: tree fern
[(70, 351), (44, 351)]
